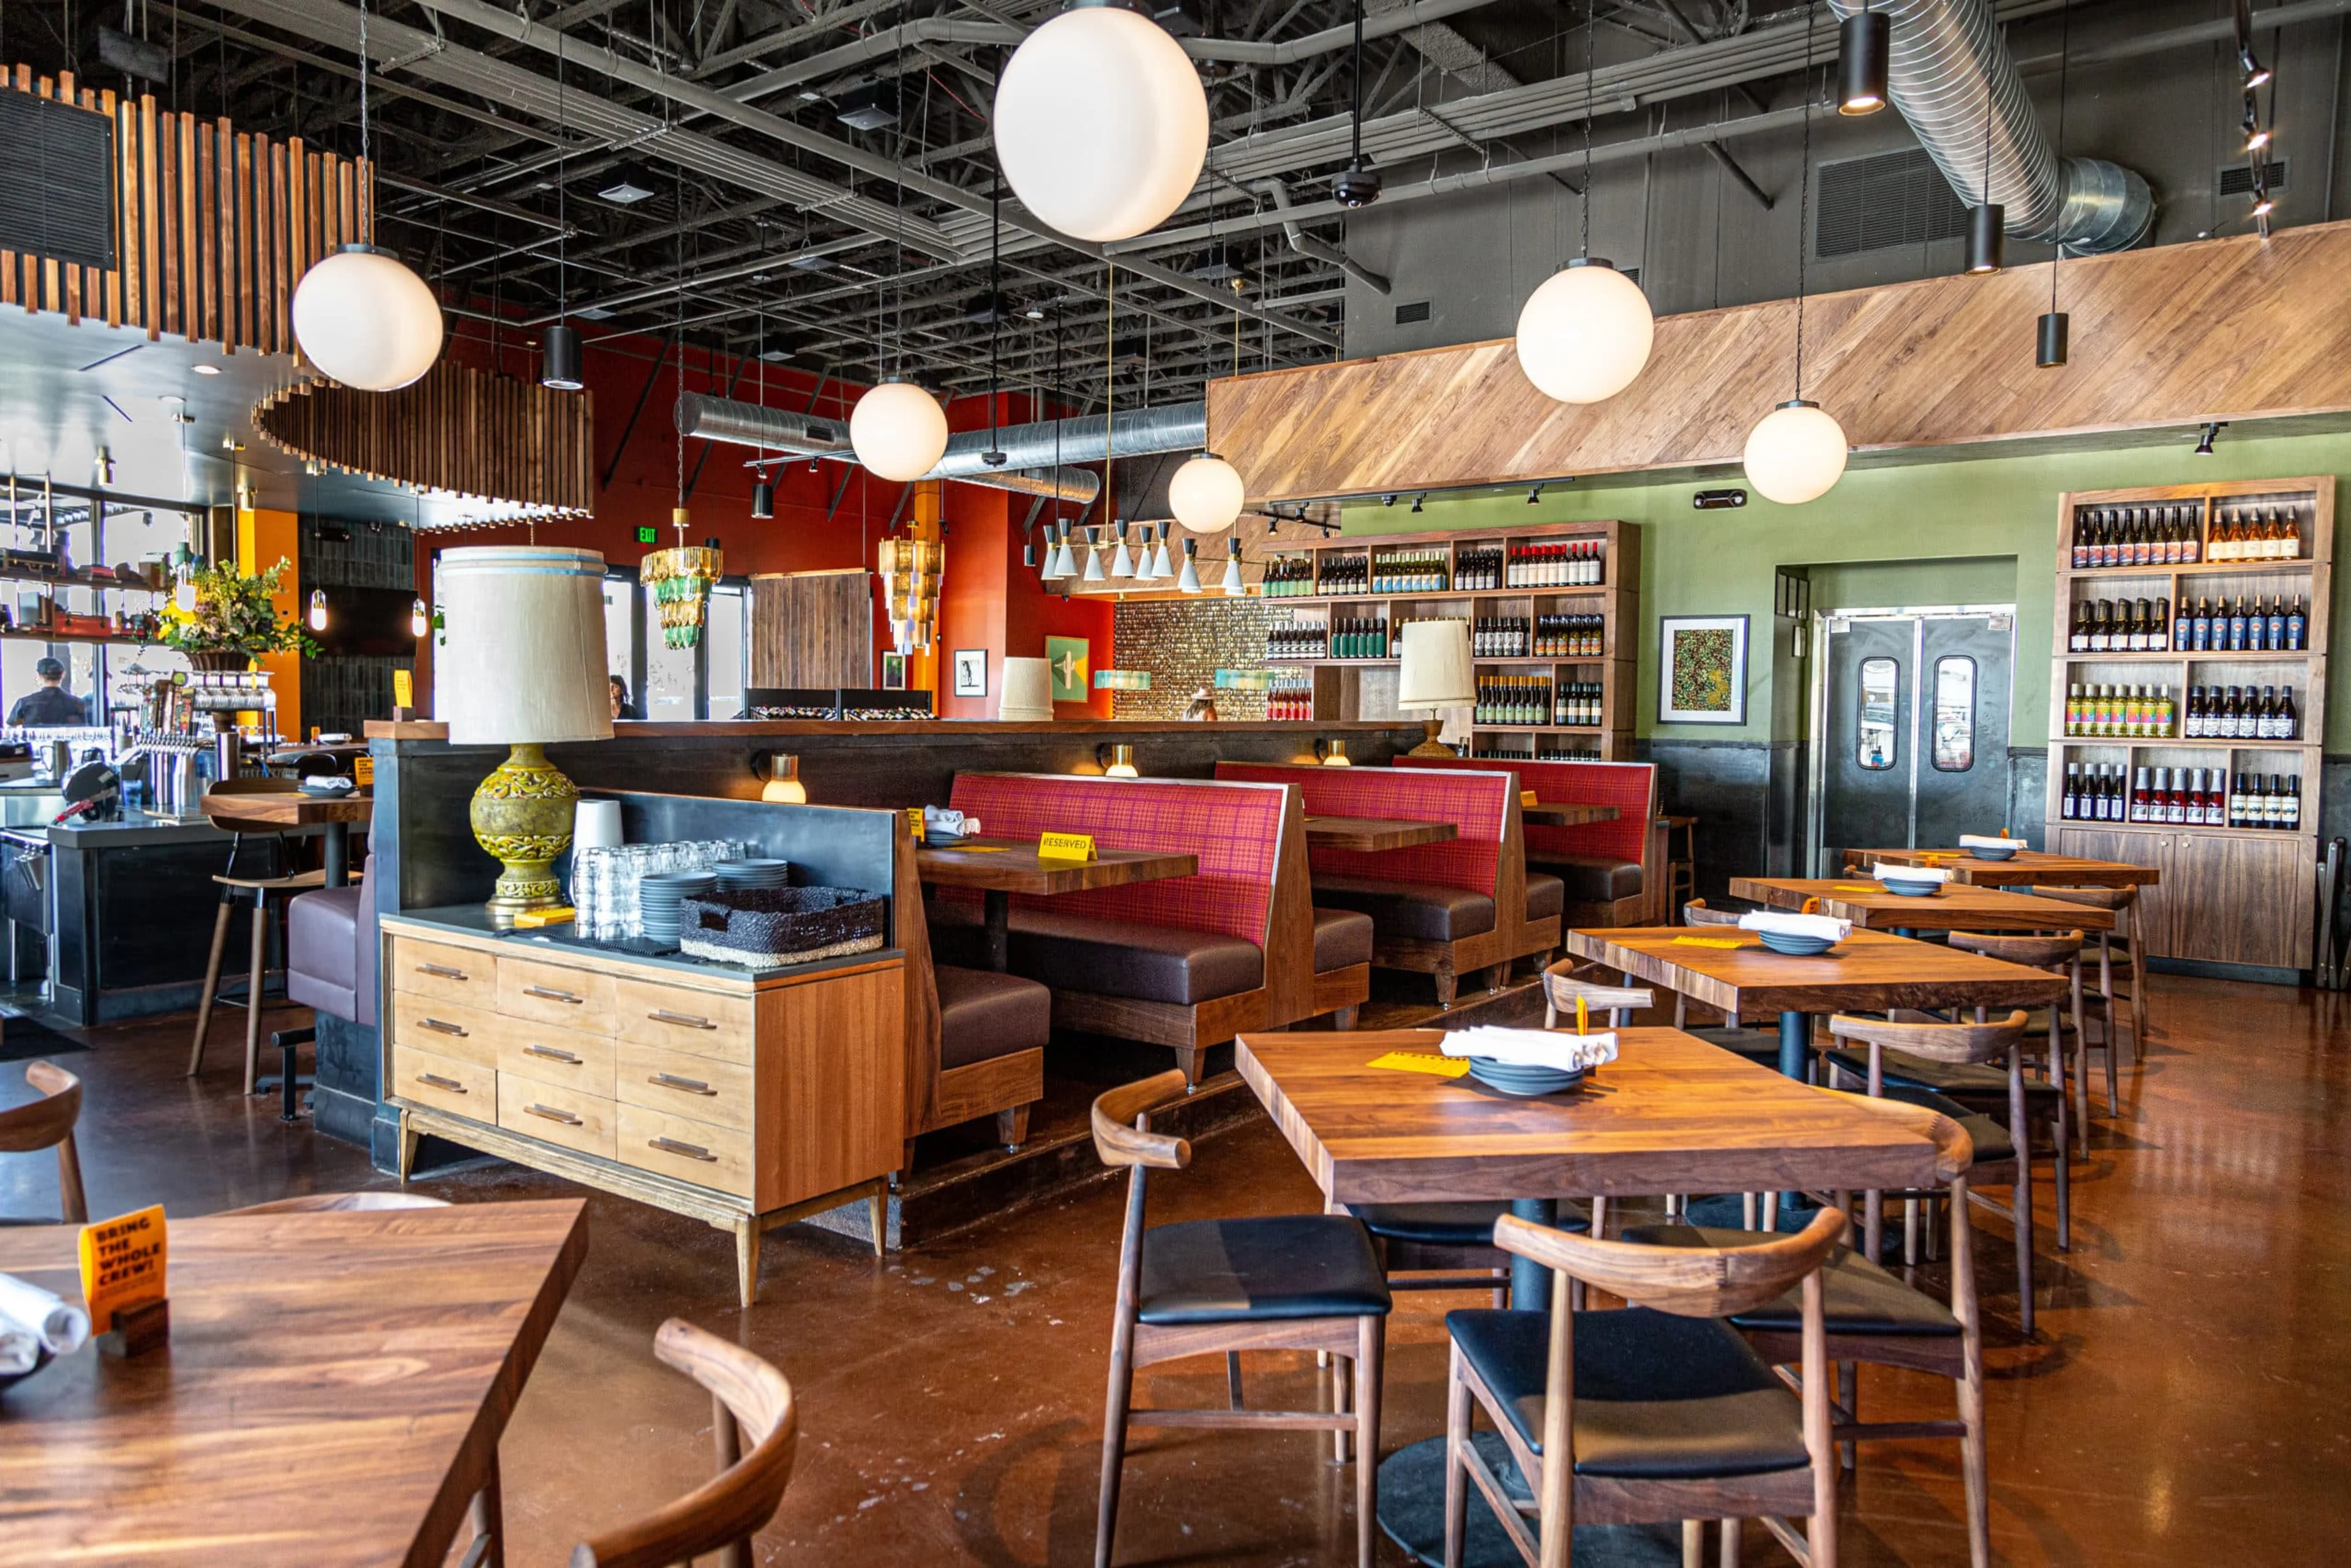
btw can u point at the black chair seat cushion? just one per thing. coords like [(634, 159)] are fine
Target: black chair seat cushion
[(984, 1015), (1546, 894), (1342, 939), (1993, 1145), (1753, 1044), (1445, 1224), (1592, 879), (1858, 1297), (1657, 1397), (1112, 958), (1977, 1082), (1257, 1270), (1422, 911)]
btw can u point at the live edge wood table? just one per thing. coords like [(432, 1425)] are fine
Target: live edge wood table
[(1374, 833), (2026, 868), (744, 1098), (1002, 867), (332, 1394), (1957, 906), (291, 809)]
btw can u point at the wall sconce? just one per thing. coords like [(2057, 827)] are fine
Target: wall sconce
[(781, 771), (1334, 752), (318, 610), (1117, 761)]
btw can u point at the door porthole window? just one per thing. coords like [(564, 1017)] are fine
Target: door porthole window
[(1954, 745), (1875, 746)]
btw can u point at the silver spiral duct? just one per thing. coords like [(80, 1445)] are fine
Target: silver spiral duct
[(1948, 60)]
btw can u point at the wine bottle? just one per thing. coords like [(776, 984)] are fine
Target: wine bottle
[(2237, 626), (2072, 807), (2138, 796), (2290, 807), (2289, 724), (2273, 633), (2297, 626)]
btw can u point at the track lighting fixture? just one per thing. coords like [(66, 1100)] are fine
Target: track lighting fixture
[(1417, 500), (2256, 73), (1387, 500), (1864, 42), (2211, 433), (1534, 495)]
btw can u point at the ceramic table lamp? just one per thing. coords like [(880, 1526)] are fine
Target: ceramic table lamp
[(1028, 692), (1435, 673), (526, 647)]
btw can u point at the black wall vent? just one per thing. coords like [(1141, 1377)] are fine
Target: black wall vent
[(1405, 315), (2237, 179), (1887, 199), (57, 179)]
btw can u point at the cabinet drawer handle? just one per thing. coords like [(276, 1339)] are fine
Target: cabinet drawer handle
[(548, 993), (551, 1054), (672, 1080), (565, 1117), (691, 1151), (437, 1026), (441, 972), (663, 1015), (437, 1081)]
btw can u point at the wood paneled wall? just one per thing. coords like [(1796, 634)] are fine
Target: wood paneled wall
[(812, 629), (2239, 329), (456, 429), (213, 225)]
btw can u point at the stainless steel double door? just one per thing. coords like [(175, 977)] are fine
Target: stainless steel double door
[(1909, 733)]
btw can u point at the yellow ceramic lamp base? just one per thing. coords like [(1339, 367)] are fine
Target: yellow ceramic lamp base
[(522, 814)]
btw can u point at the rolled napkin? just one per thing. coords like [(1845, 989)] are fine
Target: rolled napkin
[(955, 824), (1986, 842), (59, 1323), (1533, 1047), (1827, 927), (19, 1352), (1885, 873)]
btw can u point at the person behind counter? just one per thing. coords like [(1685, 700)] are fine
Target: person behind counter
[(621, 706), (51, 706)]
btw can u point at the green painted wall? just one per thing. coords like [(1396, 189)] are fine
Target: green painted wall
[(1989, 518)]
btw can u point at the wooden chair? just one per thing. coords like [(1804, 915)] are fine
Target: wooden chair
[(1307, 1281), (366, 1201), (2119, 976), (1868, 1315), (1599, 1462), (1571, 980), (1697, 912), (1681, 870), (2060, 954), (1757, 1046), (255, 892), (750, 1400), (48, 1123)]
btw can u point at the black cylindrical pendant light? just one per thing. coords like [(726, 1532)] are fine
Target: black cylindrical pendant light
[(1863, 41), (1987, 237), (558, 368), (2054, 333), (763, 499)]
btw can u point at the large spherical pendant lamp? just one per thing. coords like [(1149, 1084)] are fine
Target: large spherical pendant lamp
[(899, 431), (365, 319), (1205, 493), (1101, 123), (1585, 333), (1795, 452)]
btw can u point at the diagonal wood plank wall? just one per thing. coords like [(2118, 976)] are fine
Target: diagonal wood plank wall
[(2231, 328)]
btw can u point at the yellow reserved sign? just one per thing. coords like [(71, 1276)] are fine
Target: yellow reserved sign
[(915, 822), (1066, 847), (363, 771), (403, 688), (122, 1264), (1849, 887), (1708, 942), (1527, 798), (1435, 1065)]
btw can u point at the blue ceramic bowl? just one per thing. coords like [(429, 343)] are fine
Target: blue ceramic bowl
[(1524, 1083), (1984, 853), (1795, 947), (1909, 889)]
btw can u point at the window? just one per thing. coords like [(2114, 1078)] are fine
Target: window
[(1955, 714), (730, 608), (1874, 748)]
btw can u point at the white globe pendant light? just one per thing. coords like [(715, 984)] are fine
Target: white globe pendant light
[(1205, 493), (1795, 452), (898, 431), (1585, 334), (364, 318), (1101, 125)]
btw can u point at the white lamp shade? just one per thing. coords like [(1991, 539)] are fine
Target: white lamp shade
[(1205, 493), (1585, 335), (1101, 123), (899, 431), (526, 645), (1028, 692), (1795, 454), (364, 318), (1434, 670)]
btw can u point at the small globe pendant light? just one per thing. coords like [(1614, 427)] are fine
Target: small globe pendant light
[(1865, 39), (898, 430), (1205, 493)]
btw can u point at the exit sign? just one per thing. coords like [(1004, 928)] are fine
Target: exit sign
[(646, 535)]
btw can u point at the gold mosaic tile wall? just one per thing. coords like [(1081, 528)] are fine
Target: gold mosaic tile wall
[(1183, 644)]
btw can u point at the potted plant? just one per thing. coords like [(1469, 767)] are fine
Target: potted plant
[(234, 619)]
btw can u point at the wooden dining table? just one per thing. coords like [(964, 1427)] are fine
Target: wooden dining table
[(292, 809), (2026, 868), (1373, 833), (1955, 906), (1869, 971), (999, 868), (332, 1393), (1567, 813)]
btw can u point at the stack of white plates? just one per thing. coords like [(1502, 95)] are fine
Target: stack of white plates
[(659, 896), (733, 874)]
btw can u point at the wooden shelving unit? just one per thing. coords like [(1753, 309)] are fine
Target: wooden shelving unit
[(2233, 896), (1337, 683)]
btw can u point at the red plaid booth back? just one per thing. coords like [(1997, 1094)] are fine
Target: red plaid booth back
[(1473, 803)]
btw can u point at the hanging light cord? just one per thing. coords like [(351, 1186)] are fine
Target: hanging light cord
[(1591, 107), (365, 70), (562, 226), (2064, 41), (1357, 92), (1110, 390), (1989, 96), (994, 297), (1803, 198)]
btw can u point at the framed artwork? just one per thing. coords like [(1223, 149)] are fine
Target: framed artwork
[(971, 672), (894, 672), (1073, 682), (1702, 669)]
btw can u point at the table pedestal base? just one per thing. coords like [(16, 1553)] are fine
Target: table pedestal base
[(1411, 1513)]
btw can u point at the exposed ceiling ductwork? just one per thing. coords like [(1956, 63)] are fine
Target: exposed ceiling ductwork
[(1952, 76)]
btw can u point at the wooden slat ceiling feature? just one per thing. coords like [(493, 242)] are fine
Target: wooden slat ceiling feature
[(2237, 329)]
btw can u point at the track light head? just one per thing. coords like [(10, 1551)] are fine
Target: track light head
[(1534, 495), (2211, 433)]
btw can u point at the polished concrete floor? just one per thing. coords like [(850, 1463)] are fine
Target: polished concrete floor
[(2184, 1400)]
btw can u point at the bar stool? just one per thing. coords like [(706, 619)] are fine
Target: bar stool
[(254, 892), (1681, 872), (2118, 971)]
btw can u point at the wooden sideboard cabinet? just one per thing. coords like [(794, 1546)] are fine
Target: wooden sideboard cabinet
[(743, 1098)]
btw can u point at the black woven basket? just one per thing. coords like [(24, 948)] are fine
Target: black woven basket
[(764, 927)]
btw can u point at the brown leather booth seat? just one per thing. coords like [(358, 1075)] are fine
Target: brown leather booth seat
[(1418, 911), (984, 1015), (1342, 939), (1588, 879), (1109, 957), (1546, 896)]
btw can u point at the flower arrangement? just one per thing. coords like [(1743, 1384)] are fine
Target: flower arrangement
[(234, 619)]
